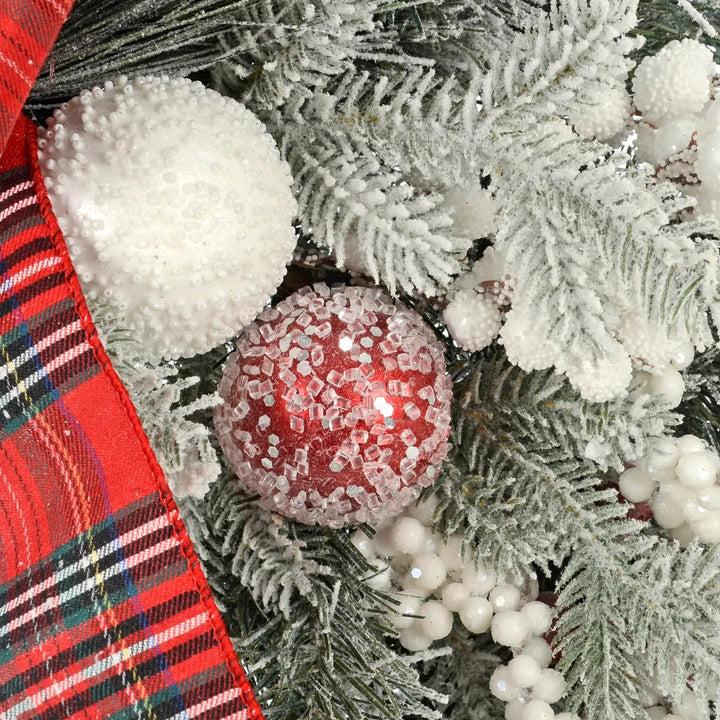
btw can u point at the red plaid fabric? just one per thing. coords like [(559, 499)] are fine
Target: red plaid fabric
[(28, 29), (104, 611)]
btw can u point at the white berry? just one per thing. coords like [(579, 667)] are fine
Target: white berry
[(636, 485), (501, 685), (476, 614), (427, 571), (437, 620), (538, 616), (505, 597), (479, 580), (524, 671), (407, 535), (538, 710), (550, 686), (509, 628), (539, 649), (698, 470), (454, 595)]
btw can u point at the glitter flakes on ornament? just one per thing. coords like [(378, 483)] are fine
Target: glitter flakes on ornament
[(336, 406), (176, 207), (679, 477), (433, 583)]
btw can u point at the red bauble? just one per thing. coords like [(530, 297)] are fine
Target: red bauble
[(336, 406)]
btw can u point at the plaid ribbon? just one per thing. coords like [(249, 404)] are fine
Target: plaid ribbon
[(28, 29), (104, 611)]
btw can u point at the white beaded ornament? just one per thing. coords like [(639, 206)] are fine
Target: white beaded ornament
[(473, 319), (679, 477), (675, 82), (175, 205)]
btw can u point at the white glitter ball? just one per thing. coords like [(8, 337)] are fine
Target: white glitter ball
[(473, 319), (175, 205)]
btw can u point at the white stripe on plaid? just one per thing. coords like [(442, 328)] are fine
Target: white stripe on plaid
[(106, 664), (63, 573), (15, 189), (206, 705), (27, 272), (43, 344), (19, 205), (24, 384), (89, 561)]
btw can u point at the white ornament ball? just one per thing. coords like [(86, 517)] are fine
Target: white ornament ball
[(454, 595), (538, 710), (476, 614), (175, 205), (538, 616), (667, 512), (636, 485), (408, 535), (473, 319), (539, 649), (689, 444), (509, 628), (527, 344), (427, 571), (674, 82), (550, 686), (437, 620), (524, 671), (668, 385), (698, 470), (478, 579), (605, 379), (504, 597), (413, 640), (406, 611), (664, 454), (709, 498), (450, 552), (707, 529), (501, 684)]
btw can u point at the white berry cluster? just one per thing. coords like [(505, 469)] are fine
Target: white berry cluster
[(679, 477), (432, 583), (680, 128), (475, 313)]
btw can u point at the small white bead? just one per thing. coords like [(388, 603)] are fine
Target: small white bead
[(550, 686), (539, 649), (424, 511), (478, 580), (427, 571), (709, 497), (514, 709), (414, 641), (451, 553), (384, 546), (408, 535), (454, 595), (667, 512), (664, 454), (698, 470), (505, 597), (683, 356), (381, 577), (501, 686), (407, 605), (636, 485), (690, 443), (708, 529), (538, 616), (538, 710), (668, 385), (524, 671), (509, 628), (437, 620), (476, 614), (363, 543)]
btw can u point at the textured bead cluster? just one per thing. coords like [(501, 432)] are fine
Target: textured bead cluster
[(176, 207), (679, 478), (433, 585), (336, 406), (680, 128)]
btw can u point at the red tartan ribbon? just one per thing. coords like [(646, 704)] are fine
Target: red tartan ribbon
[(104, 610), (28, 29)]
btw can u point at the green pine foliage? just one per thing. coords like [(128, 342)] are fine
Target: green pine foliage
[(379, 108)]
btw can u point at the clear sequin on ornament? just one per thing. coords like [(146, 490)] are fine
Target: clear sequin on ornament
[(336, 406)]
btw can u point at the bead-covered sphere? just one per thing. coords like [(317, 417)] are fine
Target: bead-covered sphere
[(176, 207), (336, 406)]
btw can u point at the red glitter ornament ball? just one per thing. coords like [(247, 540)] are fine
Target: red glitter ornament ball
[(336, 406)]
